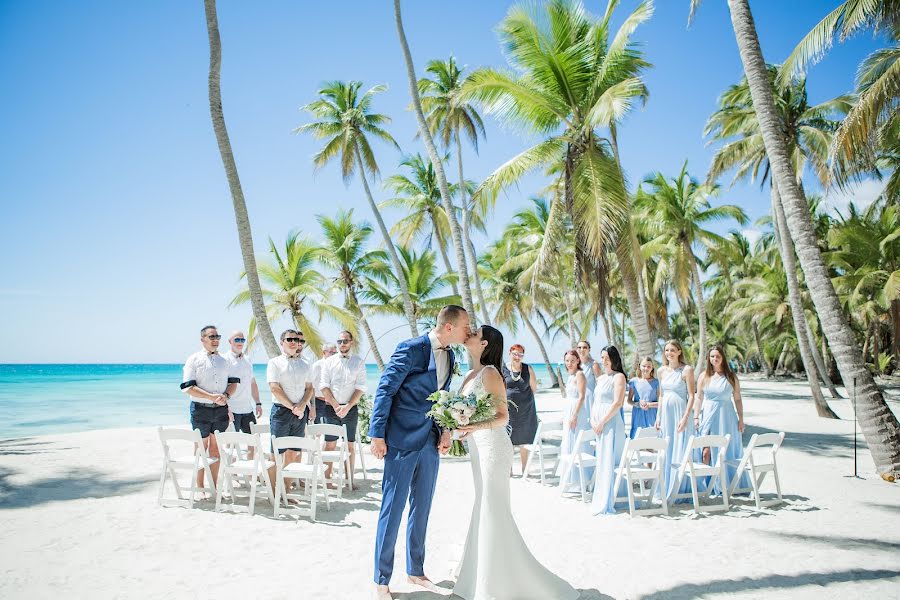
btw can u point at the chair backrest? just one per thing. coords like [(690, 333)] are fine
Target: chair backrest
[(316, 429), (709, 441), (236, 444), (649, 444), (187, 441), (260, 428), (584, 436), (764, 446), (293, 442), (187, 435), (549, 426), (646, 432)]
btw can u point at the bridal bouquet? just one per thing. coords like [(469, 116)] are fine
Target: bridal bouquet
[(452, 411)]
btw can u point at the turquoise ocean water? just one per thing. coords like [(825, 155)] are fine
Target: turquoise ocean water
[(40, 399)]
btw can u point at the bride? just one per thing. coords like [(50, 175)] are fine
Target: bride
[(496, 564)]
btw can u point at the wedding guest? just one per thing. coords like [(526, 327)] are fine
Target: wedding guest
[(315, 376), (521, 384), (643, 396), (673, 417), (288, 379), (719, 394), (343, 382), (210, 381), (590, 367), (609, 397), (244, 402), (575, 415)]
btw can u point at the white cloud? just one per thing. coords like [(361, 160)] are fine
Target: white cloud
[(752, 235), (861, 194)]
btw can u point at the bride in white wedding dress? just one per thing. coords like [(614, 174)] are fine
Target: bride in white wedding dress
[(496, 564)]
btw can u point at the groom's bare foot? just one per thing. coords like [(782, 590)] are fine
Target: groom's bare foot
[(422, 581), (383, 592)]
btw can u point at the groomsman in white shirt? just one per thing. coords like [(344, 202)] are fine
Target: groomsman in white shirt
[(343, 382), (328, 350), (244, 403)]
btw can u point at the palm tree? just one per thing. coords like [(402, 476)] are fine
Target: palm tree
[(344, 118), (444, 187), (675, 211), (344, 251), (808, 130), (879, 425), (572, 77), (295, 287), (242, 219), (419, 197), (450, 118)]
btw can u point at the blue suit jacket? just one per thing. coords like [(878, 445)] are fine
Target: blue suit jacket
[(401, 401)]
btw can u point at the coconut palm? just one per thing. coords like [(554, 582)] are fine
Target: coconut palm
[(571, 77), (344, 251), (294, 286), (417, 194), (443, 185), (449, 118), (345, 120), (879, 425), (674, 212), (242, 219)]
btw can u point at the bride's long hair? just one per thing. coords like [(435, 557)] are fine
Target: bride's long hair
[(493, 352)]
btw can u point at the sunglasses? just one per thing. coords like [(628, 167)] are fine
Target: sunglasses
[(293, 340), (517, 354), (344, 341), (214, 337), (239, 340)]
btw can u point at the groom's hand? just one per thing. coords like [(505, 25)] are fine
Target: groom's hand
[(444, 442), (379, 448)]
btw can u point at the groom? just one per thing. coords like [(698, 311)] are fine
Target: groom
[(409, 441)]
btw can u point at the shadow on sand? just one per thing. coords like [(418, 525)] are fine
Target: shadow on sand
[(585, 594), (85, 483)]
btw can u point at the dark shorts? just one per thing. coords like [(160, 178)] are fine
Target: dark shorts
[(242, 422), (325, 414), (283, 422), (208, 418)]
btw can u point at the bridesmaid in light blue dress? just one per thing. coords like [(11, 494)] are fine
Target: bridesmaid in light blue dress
[(643, 396), (609, 397), (576, 416), (591, 369), (673, 418), (716, 388)]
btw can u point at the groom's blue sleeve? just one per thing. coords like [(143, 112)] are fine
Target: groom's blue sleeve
[(391, 380)]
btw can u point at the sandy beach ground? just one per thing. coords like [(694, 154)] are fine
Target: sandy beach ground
[(79, 519)]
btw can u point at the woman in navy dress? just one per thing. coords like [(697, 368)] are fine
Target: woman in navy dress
[(643, 396), (521, 384)]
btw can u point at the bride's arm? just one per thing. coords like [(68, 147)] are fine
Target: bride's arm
[(496, 387)]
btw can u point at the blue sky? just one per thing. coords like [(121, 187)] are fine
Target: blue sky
[(116, 225)]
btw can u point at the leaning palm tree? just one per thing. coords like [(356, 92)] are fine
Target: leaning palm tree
[(808, 130), (345, 119), (449, 117), (245, 237), (879, 425), (295, 287), (572, 77), (674, 212), (443, 185), (344, 251), (417, 194)]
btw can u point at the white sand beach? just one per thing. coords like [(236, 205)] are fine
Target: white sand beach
[(79, 519)]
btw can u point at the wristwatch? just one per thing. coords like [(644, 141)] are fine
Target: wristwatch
[(227, 395)]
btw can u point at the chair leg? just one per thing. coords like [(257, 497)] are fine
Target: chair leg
[(252, 504), (755, 485), (693, 480), (541, 461), (777, 481), (279, 490), (162, 482), (222, 473), (581, 482), (362, 461)]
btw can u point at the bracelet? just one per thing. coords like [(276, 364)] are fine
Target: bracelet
[(227, 395), (259, 403)]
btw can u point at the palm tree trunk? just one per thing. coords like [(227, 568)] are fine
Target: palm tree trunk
[(455, 229), (540, 343), (782, 358), (471, 254), (392, 251), (759, 350), (242, 219), (820, 364), (364, 323), (567, 302), (879, 425), (701, 305), (895, 329), (442, 248), (801, 328)]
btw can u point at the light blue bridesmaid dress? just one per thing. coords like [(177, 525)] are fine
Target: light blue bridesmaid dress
[(610, 445), (570, 435), (643, 390), (720, 418), (672, 406), (588, 370)]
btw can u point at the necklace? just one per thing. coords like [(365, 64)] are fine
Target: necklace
[(515, 375)]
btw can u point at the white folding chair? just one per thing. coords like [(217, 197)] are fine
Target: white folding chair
[(264, 431), (547, 430), (643, 461), (339, 458), (361, 455), (695, 470), (758, 461), (233, 447), (580, 459), (311, 474), (199, 461)]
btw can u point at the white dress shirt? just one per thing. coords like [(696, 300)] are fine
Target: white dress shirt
[(316, 377), (441, 359), (343, 375), (293, 375), (209, 372), (241, 401)]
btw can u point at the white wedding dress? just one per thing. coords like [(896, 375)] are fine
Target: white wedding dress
[(496, 564)]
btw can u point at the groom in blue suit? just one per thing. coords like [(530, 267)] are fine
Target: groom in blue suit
[(409, 441)]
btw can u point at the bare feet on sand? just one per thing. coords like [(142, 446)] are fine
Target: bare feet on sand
[(383, 592), (426, 583)]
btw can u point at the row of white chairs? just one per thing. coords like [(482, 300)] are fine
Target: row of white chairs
[(642, 461), (243, 457)]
